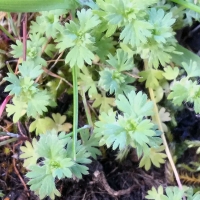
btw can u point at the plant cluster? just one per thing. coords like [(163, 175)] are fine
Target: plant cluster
[(101, 41)]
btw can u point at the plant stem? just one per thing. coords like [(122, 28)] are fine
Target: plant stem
[(156, 114), (87, 110), (8, 141), (7, 33), (71, 133), (151, 92), (75, 108), (12, 25), (186, 4)]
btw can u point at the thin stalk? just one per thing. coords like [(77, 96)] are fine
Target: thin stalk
[(186, 4), (87, 110), (151, 92), (156, 114), (8, 141), (12, 25), (7, 33), (78, 130), (75, 108)]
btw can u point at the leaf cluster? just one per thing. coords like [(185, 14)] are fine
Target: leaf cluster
[(172, 193), (47, 163), (131, 127), (28, 97), (187, 89)]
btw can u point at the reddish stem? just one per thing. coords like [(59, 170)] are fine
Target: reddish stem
[(24, 37), (3, 105)]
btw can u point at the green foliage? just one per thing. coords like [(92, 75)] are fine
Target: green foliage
[(172, 193), (113, 80), (187, 89), (48, 20), (161, 42), (1, 194), (87, 83), (171, 73), (113, 36), (103, 101), (28, 99), (78, 37), (46, 163), (90, 142), (131, 128), (152, 77), (34, 49), (153, 155), (42, 125)]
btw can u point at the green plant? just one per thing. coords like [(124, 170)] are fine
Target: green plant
[(100, 43)]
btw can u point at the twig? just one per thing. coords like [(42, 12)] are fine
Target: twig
[(56, 76), (16, 170), (158, 120), (100, 177)]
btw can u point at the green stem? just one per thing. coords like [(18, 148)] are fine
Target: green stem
[(158, 120), (12, 25), (8, 141), (7, 33), (186, 4), (87, 110), (75, 108), (78, 130)]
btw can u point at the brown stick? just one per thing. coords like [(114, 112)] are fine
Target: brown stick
[(100, 177)]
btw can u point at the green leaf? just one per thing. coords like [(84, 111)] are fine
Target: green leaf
[(172, 193), (181, 90), (129, 129), (43, 184), (29, 69), (156, 195), (48, 21), (90, 143), (38, 103), (78, 55), (29, 153), (152, 155), (15, 86), (135, 105), (188, 56), (82, 157), (78, 37), (192, 69), (18, 109), (46, 145), (104, 102), (17, 50), (171, 73), (152, 77), (59, 124), (121, 61), (87, 20), (136, 32), (1, 194), (86, 82), (115, 82), (41, 125)]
